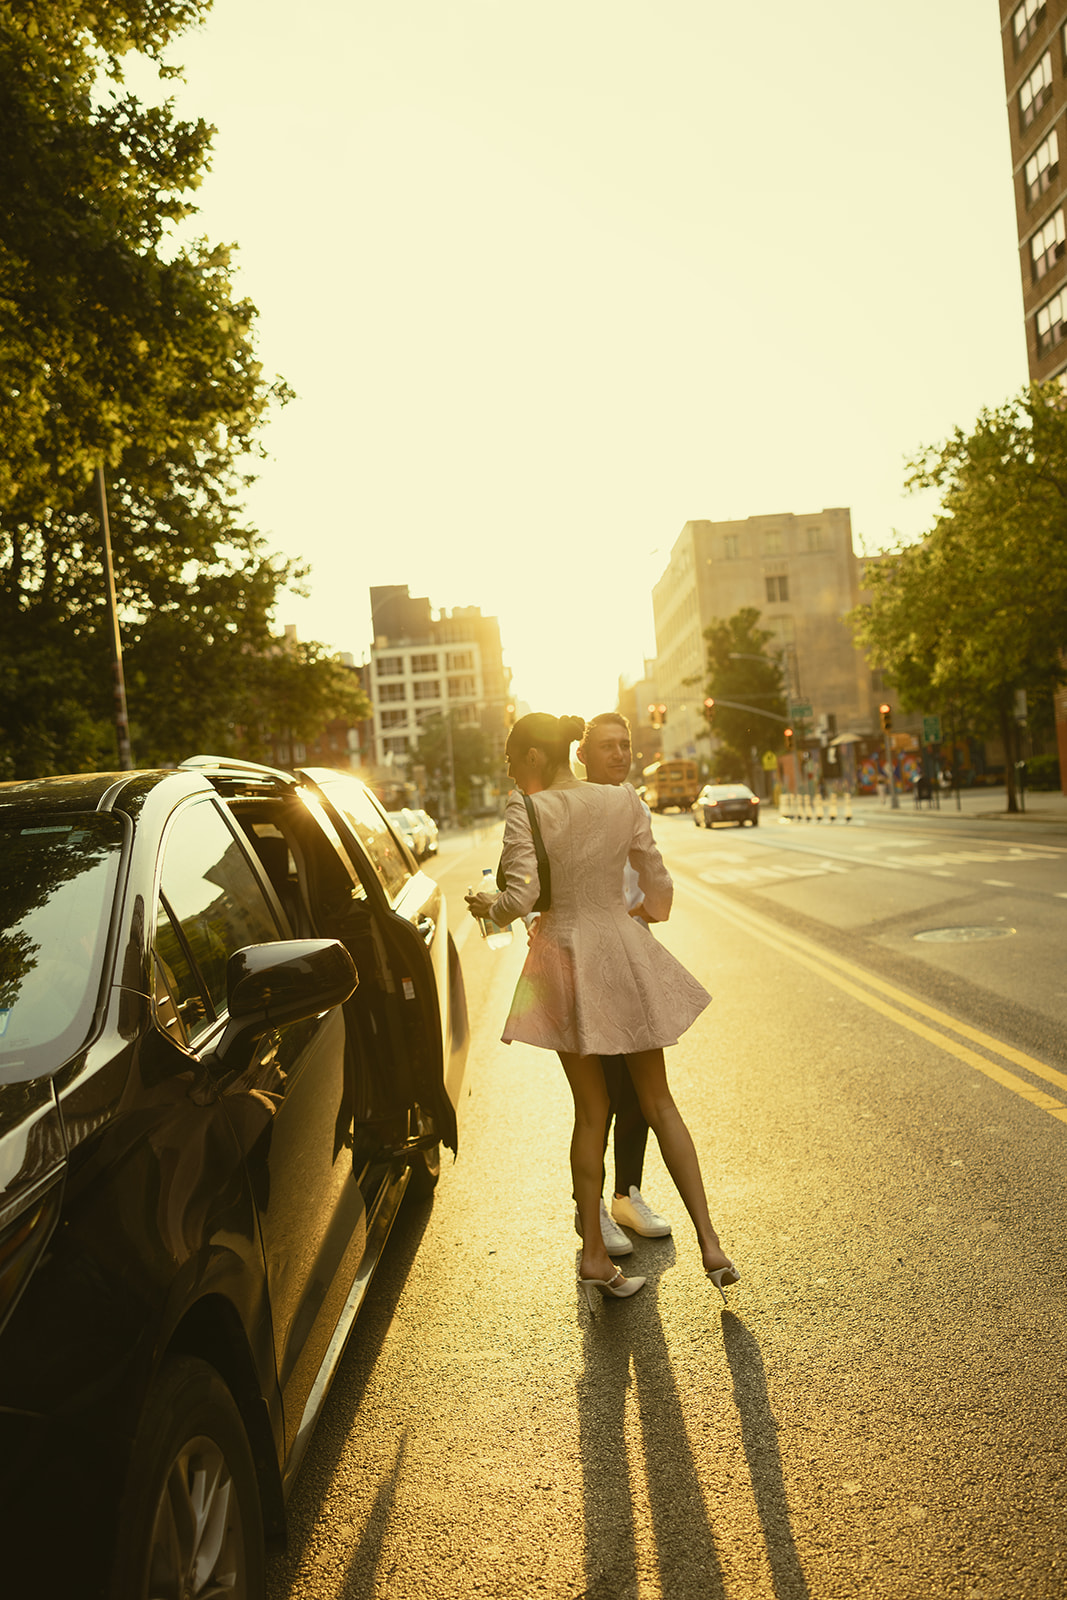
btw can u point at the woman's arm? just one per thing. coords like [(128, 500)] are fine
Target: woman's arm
[(519, 862), (652, 876)]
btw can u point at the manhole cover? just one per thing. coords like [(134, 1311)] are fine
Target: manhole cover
[(963, 935)]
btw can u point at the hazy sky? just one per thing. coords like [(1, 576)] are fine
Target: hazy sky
[(551, 279)]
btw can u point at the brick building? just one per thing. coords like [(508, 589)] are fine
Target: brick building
[(1034, 40)]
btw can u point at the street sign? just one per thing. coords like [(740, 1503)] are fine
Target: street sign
[(769, 761), (931, 730), (799, 709)]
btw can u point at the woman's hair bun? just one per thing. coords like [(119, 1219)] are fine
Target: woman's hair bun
[(571, 728)]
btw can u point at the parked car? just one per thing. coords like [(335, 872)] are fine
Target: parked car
[(232, 1034), (725, 802), (430, 827), (412, 830)]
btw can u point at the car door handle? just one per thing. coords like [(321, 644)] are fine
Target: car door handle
[(426, 926)]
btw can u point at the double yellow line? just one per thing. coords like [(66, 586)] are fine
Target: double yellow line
[(887, 1000)]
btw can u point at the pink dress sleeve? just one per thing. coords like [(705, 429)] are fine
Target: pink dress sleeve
[(653, 878), (518, 859)]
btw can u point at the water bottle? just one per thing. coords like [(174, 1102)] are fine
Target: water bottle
[(496, 938)]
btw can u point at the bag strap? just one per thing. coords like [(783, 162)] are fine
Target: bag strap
[(544, 869)]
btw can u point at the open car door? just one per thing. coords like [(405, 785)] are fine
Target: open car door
[(409, 914)]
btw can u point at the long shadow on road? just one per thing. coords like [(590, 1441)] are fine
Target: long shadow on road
[(759, 1436), (618, 1337), (624, 1344)]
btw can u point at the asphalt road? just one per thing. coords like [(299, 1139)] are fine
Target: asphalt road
[(881, 1411)]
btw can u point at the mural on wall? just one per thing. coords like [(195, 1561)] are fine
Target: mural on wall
[(907, 771)]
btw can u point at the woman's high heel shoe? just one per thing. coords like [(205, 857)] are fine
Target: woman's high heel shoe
[(618, 1287), (723, 1275)]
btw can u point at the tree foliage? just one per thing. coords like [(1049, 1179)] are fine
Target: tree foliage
[(471, 750), (119, 347), (978, 609), (739, 670)]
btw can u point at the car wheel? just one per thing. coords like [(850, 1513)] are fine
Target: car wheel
[(755, 822), (191, 1521)]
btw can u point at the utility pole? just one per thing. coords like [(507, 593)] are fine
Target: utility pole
[(122, 725)]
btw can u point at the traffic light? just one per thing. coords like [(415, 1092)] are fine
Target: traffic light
[(885, 711), (509, 715), (709, 708), (657, 715), (788, 739)]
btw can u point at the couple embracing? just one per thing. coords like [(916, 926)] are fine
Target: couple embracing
[(596, 985)]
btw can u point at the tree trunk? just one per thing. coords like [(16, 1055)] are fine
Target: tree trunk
[(1007, 733)]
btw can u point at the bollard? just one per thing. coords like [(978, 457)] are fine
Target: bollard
[(833, 806), (818, 807), (848, 805)]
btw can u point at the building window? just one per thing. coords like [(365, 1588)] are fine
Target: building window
[(397, 746), (814, 536), (772, 542), (1025, 22), (427, 714), (1047, 246), (391, 691), (1050, 322), (389, 666), (777, 589), (1036, 91), (426, 663), (1042, 167), (394, 719), (460, 660), (460, 688), (731, 546), (430, 689)]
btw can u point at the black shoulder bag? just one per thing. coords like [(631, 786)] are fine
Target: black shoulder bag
[(544, 870)]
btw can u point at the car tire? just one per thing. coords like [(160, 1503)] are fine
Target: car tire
[(754, 823), (191, 1486)]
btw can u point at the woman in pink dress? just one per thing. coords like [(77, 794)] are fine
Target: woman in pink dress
[(595, 982)]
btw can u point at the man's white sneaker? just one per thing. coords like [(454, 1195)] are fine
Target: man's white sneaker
[(616, 1243), (634, 1212)]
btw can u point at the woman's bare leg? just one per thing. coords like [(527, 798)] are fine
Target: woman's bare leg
[(586, 1078), (676, 1145)]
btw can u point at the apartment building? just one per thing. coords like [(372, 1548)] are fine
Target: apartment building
[(1034, 40), (424, 666), (801, 573)]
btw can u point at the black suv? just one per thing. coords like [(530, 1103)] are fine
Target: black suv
[(232, 1034)]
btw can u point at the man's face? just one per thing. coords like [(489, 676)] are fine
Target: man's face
[(606, 754)]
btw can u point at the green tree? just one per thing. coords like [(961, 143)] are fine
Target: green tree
[(740, 671), (471, 754), (978, 609), (120, 347)]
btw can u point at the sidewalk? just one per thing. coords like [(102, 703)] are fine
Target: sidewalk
[(1043, 808)]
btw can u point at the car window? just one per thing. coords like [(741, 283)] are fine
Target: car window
[(57, 888), (180, 1008), (371, 829), (212, 894)]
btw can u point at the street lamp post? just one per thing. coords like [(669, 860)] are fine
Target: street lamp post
[(122, 726)]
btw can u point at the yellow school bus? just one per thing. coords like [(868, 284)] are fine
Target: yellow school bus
[(670, 783)]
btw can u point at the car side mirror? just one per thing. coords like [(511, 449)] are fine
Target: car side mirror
[(269, 985)]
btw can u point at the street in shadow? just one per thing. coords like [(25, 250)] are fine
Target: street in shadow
[(342, 1407)]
